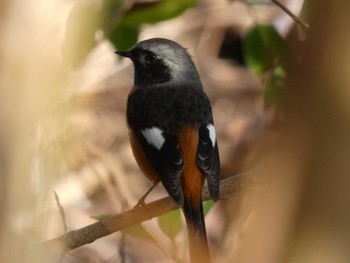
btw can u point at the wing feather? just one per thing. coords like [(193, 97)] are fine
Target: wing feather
[(167, 162), (208, 159)]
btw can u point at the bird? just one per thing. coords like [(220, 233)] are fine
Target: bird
[(172, 132)]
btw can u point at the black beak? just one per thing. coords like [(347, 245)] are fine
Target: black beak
[(123, 53)]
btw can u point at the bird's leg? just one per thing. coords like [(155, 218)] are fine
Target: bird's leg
[(141, 201)]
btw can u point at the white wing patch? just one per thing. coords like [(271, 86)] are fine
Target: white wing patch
[(154, 137), (212, 133)]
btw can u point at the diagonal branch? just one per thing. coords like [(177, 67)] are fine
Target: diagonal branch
[(90, 233), (302, 23)]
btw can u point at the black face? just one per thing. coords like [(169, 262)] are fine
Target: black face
[(149, 68)]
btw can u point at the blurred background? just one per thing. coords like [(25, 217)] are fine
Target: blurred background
[(279, 89)]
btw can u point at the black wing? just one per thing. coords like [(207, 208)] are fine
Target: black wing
[(208, 160), (168, 164)]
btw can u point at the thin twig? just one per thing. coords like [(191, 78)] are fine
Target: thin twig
[(61, 209), (90, 233), (302, 23)]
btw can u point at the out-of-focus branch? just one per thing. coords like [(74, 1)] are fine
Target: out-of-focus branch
[(302, 23), (90, 233)]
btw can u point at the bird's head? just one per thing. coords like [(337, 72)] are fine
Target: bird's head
[(160, 61)]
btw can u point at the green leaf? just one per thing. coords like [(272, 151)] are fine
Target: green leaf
[(207, 206), (109, 11), (101, 217), (170, 223), (275, 87), (264, 49), (140, 232), (124, 36), (158, 11)]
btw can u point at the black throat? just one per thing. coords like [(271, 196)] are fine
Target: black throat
[(149, 70)]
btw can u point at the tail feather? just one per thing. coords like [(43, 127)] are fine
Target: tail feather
[(199, 249)]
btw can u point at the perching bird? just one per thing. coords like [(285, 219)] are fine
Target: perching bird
[(172, 132)]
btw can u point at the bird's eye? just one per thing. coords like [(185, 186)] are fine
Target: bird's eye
[(150, 57)]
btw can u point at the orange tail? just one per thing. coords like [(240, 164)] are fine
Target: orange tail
[(199, 249)]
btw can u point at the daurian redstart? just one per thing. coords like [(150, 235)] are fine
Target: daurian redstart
[(172, 132)]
